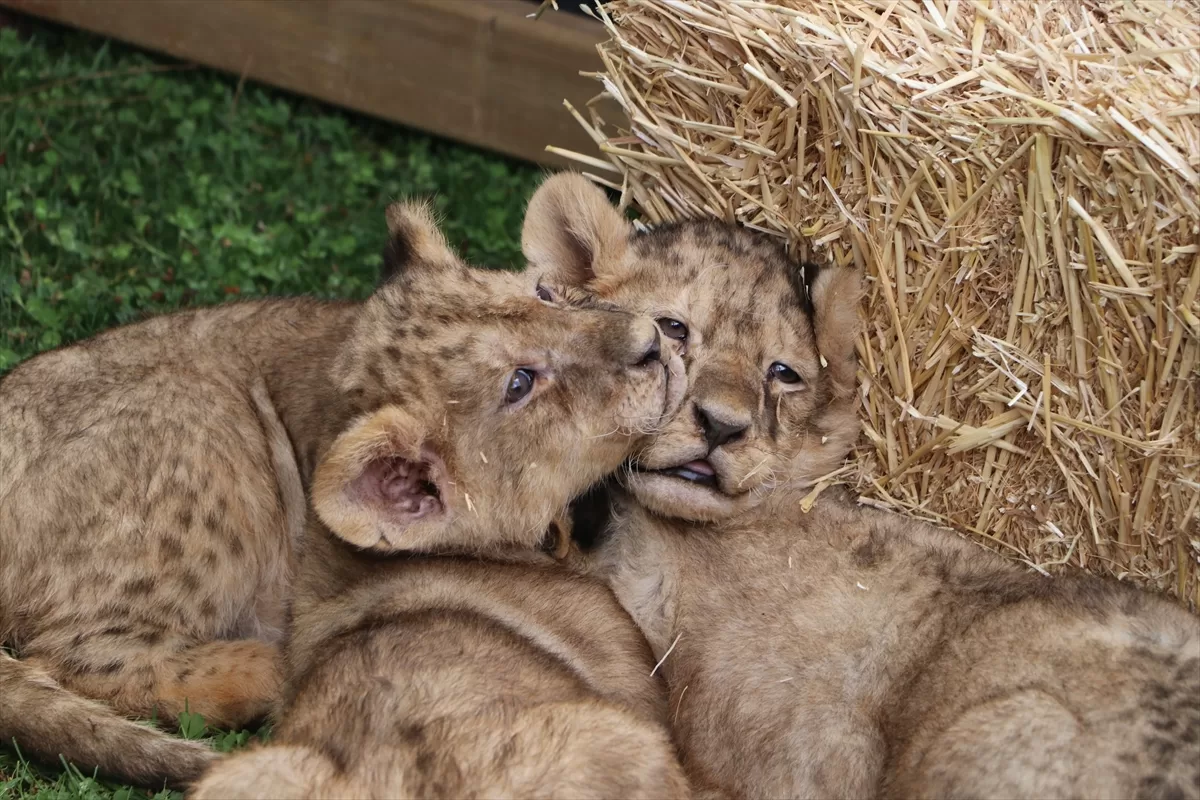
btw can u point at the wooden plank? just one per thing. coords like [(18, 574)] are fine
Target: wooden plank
[(477, 71)]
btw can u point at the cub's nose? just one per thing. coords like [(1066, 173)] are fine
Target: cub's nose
[(718, 431), (647, 344)]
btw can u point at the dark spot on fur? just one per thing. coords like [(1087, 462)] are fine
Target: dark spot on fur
[(184, 674), (150, 638), (190, 581), (208, 609), (400, 398), (185, 519), (504, 753), (138, 587), (337, 751), (411, 735), (1160, 657), (117, 610), (1162, 749), (393, 352), (420, 332), (375, 375), (1155, 787), (115, 630), (235, 546), (424, 761), (1165, 724), (171, 547), (658, 242), (110, 668), (212, 522), (210, 559), (872, 552)]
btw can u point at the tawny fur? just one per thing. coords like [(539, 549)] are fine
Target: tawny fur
[(851, 653), (846, 652), (455, 677), (152, 479)]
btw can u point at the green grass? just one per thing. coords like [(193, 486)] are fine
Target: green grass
[(132, 185)]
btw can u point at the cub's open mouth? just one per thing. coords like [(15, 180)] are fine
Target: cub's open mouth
[(700, 472)]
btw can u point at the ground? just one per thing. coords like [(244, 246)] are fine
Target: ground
[(131, 184)]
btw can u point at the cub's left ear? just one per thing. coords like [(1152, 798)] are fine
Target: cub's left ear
[(414, 240), (835, 294), (572, 232), (382, 486)]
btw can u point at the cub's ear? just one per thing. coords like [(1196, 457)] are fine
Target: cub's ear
[(572, 232), (382, 485), (835, 293), (414, 241)]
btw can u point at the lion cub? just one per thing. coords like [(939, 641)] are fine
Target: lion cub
[(848, 652), (153, 479), (455, 676), (843, 653)]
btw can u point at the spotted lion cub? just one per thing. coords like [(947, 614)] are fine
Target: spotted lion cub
[(153, 480), (455, 676), (845, 652)]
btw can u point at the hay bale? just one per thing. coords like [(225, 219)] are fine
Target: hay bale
[(1018, 179)]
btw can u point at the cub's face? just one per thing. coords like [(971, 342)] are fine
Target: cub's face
[(483, 401), (769, 349)]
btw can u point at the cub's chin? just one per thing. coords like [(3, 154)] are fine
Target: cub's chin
[(682, 493)]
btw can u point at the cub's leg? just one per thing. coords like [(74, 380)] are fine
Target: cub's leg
[(229, 683), (47, 719), (283, 772)]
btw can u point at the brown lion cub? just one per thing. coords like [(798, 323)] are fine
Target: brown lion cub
[(153, 479), (848, 652), (452, 677), (844, 653), (455, 676)]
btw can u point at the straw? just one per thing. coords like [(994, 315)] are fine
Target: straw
[(1018, 179)]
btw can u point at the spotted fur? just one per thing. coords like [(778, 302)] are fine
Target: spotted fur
[(153, 479)]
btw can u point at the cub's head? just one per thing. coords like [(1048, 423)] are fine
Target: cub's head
[(768, 344), (480, 402)]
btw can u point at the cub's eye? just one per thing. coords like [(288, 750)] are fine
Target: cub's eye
[(544, 295), (520, 384), (673, 328), (783, 373)]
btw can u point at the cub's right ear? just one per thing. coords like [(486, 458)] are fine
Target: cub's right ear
[(572, 232), (414, 239), (382, 485), (836, 293)]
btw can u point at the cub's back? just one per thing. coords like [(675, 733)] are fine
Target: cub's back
[(854, 650), (458, 678), (111, 446)]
